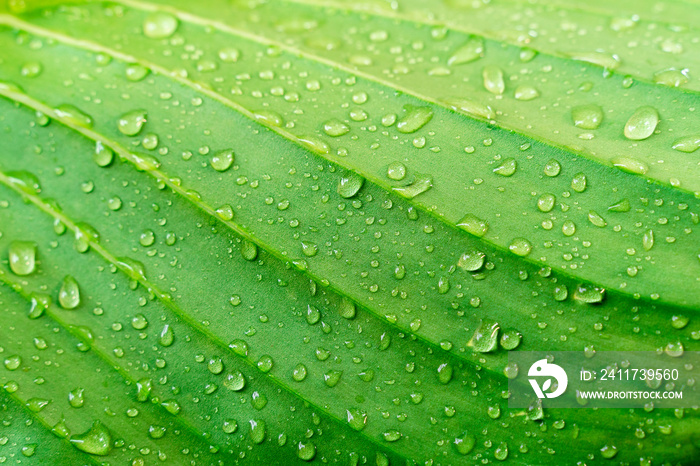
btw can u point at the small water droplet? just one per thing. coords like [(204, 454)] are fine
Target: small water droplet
[(485, 337), (473, 225), (587, 116), (396, 171), (630, 165), (349, 185), (469, 52), (520, 247), (421, 184), (493, 79)]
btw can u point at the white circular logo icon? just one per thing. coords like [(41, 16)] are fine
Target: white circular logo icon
[(543, 369)]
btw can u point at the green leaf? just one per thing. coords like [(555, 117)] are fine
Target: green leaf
[(284, 244)]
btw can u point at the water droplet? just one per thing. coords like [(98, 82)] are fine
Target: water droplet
[(687, 144), (299, 373), (391, 435), (642, 123), (265, 363), (471, 261), (313, 315), (356, 419), (306, 451), (671, 77), (31, 69), (96, 441), (136, 72), (507, 168), (230, 426), (469, 52), (222, 160), (22, 256), (349, 185), (421, 184), (235, 381), (552, 168), (606, 60), (257, 431), (471, 108), (621, 206), (239, 347), (579, 182), (76, 397), (414, 119), (520, 247), (143, 389), (229, 54), (159, 25), (630, 165), (69, 294), (130, 123), (561, 292), (332, 377), (608, 451), (464, 443), (510, 339), (485, 337), (396, 171), (596, 219), (587, 116), (444, 373), (259, 400), (335, 128), (347, 309), (103, 155), (215, 365), (171, 406), (679, 321), (674, 349), (72, 115), (589, 294), (249, 250), (493, 79), (526, 93), (473, 225), (501, 452), (13, 362)]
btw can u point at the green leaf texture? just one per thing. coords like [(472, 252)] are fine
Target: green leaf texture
[(269, 232)]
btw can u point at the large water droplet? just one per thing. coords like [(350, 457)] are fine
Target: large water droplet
[(349, 185), (642, 123), (72, 115), (414, 119), (22, 255), (520, 247), (69, 294), (493, 79), (222, 160), (159, 25), (473, 225), (587, 116), (630, 165), (131, 123), (469, 52), (485, 337), (96, 441), (471, 108), (421, 184)]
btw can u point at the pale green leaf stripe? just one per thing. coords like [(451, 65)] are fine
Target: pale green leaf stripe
[(678, 250), (643, 48), (552, 86)]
